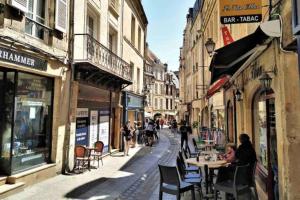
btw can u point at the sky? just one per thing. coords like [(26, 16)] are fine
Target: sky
[(167, 19)]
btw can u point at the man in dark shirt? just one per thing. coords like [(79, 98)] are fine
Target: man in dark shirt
[(184, 134)]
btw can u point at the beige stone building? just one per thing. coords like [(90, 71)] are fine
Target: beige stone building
[(34, 90), (134, 32), (252, 89)]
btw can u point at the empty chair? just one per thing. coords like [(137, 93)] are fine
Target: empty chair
[(191, 154), (238, 185), (183, 173), (171, 184), (97, 153), (81, 157), (197, 149), (188, 168)]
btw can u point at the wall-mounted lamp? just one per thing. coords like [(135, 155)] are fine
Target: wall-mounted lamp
[(238, 95), (210, 47), (266, 80)]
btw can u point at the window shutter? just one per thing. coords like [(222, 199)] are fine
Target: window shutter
[(19, 4), (61, 15)]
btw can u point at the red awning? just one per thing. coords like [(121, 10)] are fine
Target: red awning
[(216, 86)]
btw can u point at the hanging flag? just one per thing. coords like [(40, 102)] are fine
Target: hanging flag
[(226, 36)]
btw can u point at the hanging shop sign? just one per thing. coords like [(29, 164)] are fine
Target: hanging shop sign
[(240, 11), (227, 38), (15, 57)]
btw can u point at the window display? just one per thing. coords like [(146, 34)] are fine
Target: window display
[(32, 125)]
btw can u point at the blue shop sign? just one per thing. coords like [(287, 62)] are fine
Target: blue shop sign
[(134, 101)]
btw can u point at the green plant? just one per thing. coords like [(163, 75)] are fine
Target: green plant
[(195, 124)]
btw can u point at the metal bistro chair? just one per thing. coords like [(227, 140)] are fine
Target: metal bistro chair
[(191, 178), (236, 186), (97, 153), (186, 167), (191, 154), (197, 149), (171, 184), (252, 181), (81, 157)]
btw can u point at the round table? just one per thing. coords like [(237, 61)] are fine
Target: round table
[(208, 152), (208, 166), (202, 162)]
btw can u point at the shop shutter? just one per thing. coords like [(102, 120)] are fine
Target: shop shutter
[(61, 15), (19, 4)]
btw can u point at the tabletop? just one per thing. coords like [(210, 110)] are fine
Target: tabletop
[(209, 152), (202, 162)]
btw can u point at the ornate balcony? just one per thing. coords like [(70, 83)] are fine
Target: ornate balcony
[(88, 50)]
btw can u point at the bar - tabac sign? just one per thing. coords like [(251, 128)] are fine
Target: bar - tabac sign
[(240, 11)]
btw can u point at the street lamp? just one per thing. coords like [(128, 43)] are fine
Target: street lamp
[(266, 81), (238, 95), (210, 47)]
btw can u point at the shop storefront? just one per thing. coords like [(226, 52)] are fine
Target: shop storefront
[(26, 112), (133, 106), (95, 111)]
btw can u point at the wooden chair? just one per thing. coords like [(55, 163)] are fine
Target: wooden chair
[(97, 153), (170, 182), (82, 159)]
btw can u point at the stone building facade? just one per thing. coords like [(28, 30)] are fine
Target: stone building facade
[(253, 90), (35, 89)]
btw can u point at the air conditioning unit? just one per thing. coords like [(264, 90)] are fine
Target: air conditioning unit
[(19, 4)]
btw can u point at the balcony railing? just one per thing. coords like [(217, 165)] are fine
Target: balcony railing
[(88, 49)]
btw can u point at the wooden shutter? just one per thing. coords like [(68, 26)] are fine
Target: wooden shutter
[(61, 15), (19, 4)]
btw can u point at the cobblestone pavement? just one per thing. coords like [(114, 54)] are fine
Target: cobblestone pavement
[(134, 177)]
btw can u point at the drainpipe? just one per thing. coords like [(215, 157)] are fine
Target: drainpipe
[(235, 118), (65, 165)]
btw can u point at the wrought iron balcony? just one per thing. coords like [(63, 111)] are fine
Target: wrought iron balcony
[(88, 50)]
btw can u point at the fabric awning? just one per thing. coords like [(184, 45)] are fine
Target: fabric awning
[(217, 86), (228, 59)]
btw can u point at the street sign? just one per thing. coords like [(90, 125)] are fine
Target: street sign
[(240, 11)]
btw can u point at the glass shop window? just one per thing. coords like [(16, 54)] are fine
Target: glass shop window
[(32, 129)]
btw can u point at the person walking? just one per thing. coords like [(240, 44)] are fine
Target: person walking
[(174, 127), (162, 122), (184, 134), (127, 135), (149, 133)]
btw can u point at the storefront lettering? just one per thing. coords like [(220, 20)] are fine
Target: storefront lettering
[(22, 59)]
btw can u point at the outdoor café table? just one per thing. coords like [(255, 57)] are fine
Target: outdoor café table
[(209, 152), (209, 141), (90, 149), (210, 164)]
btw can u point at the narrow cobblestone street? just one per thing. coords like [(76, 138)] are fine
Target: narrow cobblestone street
[(130, 178)]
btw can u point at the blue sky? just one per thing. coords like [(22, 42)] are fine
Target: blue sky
[(167, 20)]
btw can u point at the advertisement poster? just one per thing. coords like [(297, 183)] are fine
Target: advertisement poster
[(82, 127), (93, 127), (104, 129)]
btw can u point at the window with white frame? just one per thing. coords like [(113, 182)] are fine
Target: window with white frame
[(35, 18)]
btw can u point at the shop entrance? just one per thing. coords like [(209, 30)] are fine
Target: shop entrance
[(266, 142)]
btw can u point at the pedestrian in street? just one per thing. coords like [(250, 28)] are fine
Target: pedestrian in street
[(184, 134), (157, 125), (174, 127), (127, 135), (162, 122), (149, 133)]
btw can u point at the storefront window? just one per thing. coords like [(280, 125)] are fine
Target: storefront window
[(7, 85), (32, 125), (262, 130)]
